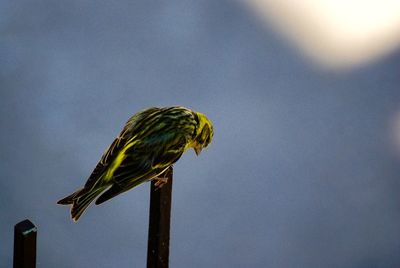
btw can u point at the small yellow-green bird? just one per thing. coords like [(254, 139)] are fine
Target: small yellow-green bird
[(150, 143)]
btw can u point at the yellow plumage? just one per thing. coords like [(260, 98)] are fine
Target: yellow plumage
[(151, 142)]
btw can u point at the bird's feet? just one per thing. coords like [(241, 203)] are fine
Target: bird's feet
[(160, 181)]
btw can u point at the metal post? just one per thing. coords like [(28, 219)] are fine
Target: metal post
[(25, 245), (159, 224)]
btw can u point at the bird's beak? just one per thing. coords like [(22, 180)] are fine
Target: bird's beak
[(197, 150)]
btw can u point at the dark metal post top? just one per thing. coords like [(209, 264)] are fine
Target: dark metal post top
[(25, 227)]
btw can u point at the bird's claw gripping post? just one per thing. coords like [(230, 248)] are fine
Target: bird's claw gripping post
[(162, 179)]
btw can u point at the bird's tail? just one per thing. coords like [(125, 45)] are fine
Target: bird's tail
[(69, 199), (80, 200)]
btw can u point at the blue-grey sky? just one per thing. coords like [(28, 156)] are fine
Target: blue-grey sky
[(301, 172)]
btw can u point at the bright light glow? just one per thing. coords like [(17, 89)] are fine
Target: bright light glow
[(338, 33)]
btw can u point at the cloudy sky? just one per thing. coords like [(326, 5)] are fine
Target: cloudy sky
[(303, 170)]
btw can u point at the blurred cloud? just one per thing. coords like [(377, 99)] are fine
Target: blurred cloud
[(336, 33)]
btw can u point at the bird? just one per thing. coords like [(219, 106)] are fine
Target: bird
[(149, 144)]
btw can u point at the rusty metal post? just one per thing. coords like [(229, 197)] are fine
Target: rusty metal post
[(159, 224)]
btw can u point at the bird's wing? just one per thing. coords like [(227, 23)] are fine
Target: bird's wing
[(130, 130), (150, 157), (104, 162), (145, 161)]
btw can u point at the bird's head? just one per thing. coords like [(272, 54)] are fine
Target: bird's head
[(204, 133)]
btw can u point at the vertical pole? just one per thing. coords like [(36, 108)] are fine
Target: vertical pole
[(25, 244), (159, 224)]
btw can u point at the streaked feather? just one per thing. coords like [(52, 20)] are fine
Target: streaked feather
[(150, 142)]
